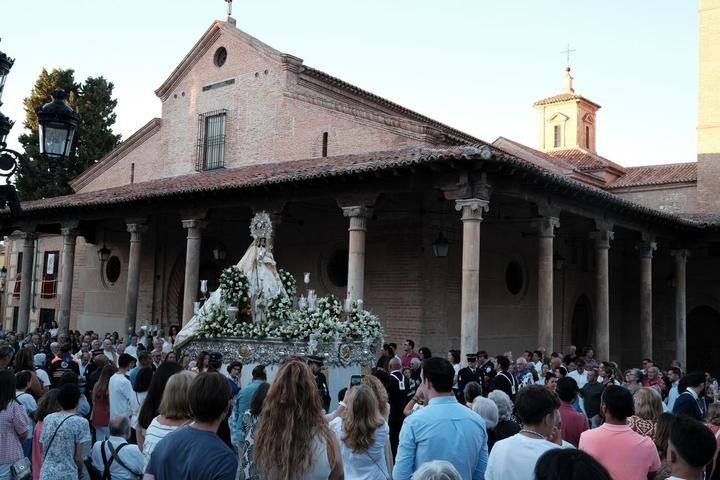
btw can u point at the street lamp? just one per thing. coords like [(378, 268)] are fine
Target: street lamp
[(6, 64), (441, 246), (57, 124)]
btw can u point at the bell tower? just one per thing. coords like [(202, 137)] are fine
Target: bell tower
[(708, 122), (567, 120)]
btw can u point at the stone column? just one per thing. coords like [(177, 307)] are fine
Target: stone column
[(356, 250), (646, 340), (26, 280), (69, 233), (472, 214), (192, 266), (136, 229), (546, 232), (602, 293), (680, 306)]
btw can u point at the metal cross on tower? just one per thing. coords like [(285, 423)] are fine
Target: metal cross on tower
[(229, 2), (567, 53)]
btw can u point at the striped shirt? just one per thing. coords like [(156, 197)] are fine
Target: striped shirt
[(155, 432)]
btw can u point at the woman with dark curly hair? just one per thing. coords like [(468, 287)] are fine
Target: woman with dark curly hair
[(293, 441)]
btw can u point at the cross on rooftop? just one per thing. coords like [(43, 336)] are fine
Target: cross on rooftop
[(229, 2), (567, 52)]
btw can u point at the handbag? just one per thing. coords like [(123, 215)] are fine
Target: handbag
[(21, 469)]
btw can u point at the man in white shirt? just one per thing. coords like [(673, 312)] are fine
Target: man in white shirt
[(120, 389), (128, 461), (674, 375), (515, 457), (39, 363), (109, 351), (579, 374), (132, 348)]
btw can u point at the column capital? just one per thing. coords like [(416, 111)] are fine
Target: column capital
[(356, 211), (27, 236), (646, 248), (602, 238), (546, 226), (472, 208), (366, 200), (358, 216), (70, 229), (194, 223), (136, 227), (681, 255)]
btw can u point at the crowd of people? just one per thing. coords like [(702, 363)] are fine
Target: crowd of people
[(78, 406)]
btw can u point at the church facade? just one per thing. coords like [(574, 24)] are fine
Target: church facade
[(454, 242)]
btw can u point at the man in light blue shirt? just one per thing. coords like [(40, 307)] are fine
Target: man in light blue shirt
[(674, 374), (443, 430)]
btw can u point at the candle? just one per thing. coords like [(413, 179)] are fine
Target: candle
[(196, 308), (302, 303), (348, 304), (306, 278), (203, 286), (312, 299)]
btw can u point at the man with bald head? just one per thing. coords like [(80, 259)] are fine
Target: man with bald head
[(127, 460)]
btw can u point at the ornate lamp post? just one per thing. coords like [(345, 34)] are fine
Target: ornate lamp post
[(57, 125), (58, 122)]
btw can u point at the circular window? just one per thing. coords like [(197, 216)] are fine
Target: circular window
[(112, 269), (220, 56), (514, 277), (337, 268)]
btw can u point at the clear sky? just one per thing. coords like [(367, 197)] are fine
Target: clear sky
[(476, 65)]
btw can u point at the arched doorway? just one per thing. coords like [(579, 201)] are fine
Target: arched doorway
[(703, 330), (581, 326)]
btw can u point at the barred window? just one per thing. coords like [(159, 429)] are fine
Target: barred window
[(210, 152)]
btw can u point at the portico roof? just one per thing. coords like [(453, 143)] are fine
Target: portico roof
[(302, 171)]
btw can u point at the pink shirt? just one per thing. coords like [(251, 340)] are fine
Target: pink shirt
[(625, 454), (405, 359), (573, 423)]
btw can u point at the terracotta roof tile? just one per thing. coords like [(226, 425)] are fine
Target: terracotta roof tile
[(248, 177), (562, 97), (541, 159), (657, 175), (584, 160), (253, 176)]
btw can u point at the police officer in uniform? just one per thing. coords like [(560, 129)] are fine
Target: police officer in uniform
[(316, 364), (471, 373), (488, 371)]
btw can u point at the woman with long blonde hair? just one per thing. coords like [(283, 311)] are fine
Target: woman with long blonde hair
[(380, 394), (173, 413), (293, 441), (363, 434), (648, 408)]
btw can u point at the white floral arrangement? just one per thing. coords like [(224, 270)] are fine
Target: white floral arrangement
[(216, 323), (234, 287), (325, 323), (288, 282)]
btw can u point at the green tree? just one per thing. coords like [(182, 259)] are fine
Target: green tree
[(36, 177), (95, 137)]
